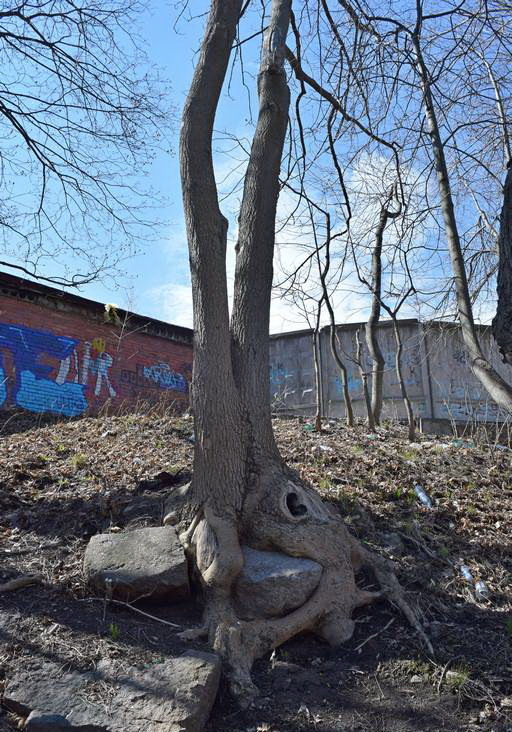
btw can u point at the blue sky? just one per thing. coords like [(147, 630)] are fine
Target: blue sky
[(162, 266), (157, 280)]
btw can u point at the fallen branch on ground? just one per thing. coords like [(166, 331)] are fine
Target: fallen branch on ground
[(135, 609), (19, 582)]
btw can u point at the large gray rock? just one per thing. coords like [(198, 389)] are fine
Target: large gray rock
[(147, 561), (273, 584), (173, 696)]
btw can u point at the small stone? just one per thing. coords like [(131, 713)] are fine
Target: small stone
[(393, 543), (416, 679), (147, 561), (44, 722), (287, 666)]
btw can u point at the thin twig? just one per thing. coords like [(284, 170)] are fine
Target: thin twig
[(370, 637), (443, 672), (135, 609)]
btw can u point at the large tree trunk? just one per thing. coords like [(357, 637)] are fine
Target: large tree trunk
[(255, 247), (242, 491), (214, 393), (497, 387), (502, 322)]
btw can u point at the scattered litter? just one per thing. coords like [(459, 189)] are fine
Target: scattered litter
[(108, 433), (422, 496), (191, 438), (502, 447), (309, 427), (303, 709), (322, 448), (481, 589), (462, 443), (466, 572)]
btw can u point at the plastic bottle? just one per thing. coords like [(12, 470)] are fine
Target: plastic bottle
[(466, 572), (481, 589), (422, 496)]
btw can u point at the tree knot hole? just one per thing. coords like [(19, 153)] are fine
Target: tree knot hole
[(294, 505)]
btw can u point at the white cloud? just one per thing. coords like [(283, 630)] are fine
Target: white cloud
[(172, 302)]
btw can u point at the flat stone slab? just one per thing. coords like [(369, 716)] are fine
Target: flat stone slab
[(175, 695), (273, 584), (148, 561)]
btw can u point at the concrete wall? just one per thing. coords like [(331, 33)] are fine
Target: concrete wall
[(58, 355), (438, 380)]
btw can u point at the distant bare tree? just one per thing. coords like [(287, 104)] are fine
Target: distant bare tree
[(502, 323), (79, 121)]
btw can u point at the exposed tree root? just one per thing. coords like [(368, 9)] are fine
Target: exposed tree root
[(282, 514)]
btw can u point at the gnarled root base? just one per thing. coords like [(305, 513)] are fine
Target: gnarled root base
[(283, 515)]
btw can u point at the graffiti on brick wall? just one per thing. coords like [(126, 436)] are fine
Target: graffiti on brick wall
[(158, 376), (37, 355), (164, 377), (44, 372)]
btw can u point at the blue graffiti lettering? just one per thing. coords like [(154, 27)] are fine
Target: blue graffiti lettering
[(43, 395), (33, 389), (162, 375), (278, 374)]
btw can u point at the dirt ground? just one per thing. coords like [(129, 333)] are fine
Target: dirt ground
[(62, 482)]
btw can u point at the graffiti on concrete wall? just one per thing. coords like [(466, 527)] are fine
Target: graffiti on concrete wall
[(467, 409), (290, 384), (279, 374)]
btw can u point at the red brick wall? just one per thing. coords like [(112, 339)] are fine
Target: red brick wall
[(59, 360)]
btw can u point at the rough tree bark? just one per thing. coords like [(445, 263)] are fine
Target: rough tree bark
[(242, 492), (318, 368), (502, 322), (347, 399), (403, 389), (364, 381), (372, 341)]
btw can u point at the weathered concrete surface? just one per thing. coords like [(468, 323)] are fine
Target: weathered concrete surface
[(435, 368), (173, 696), (273, 584), (148, 561)]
